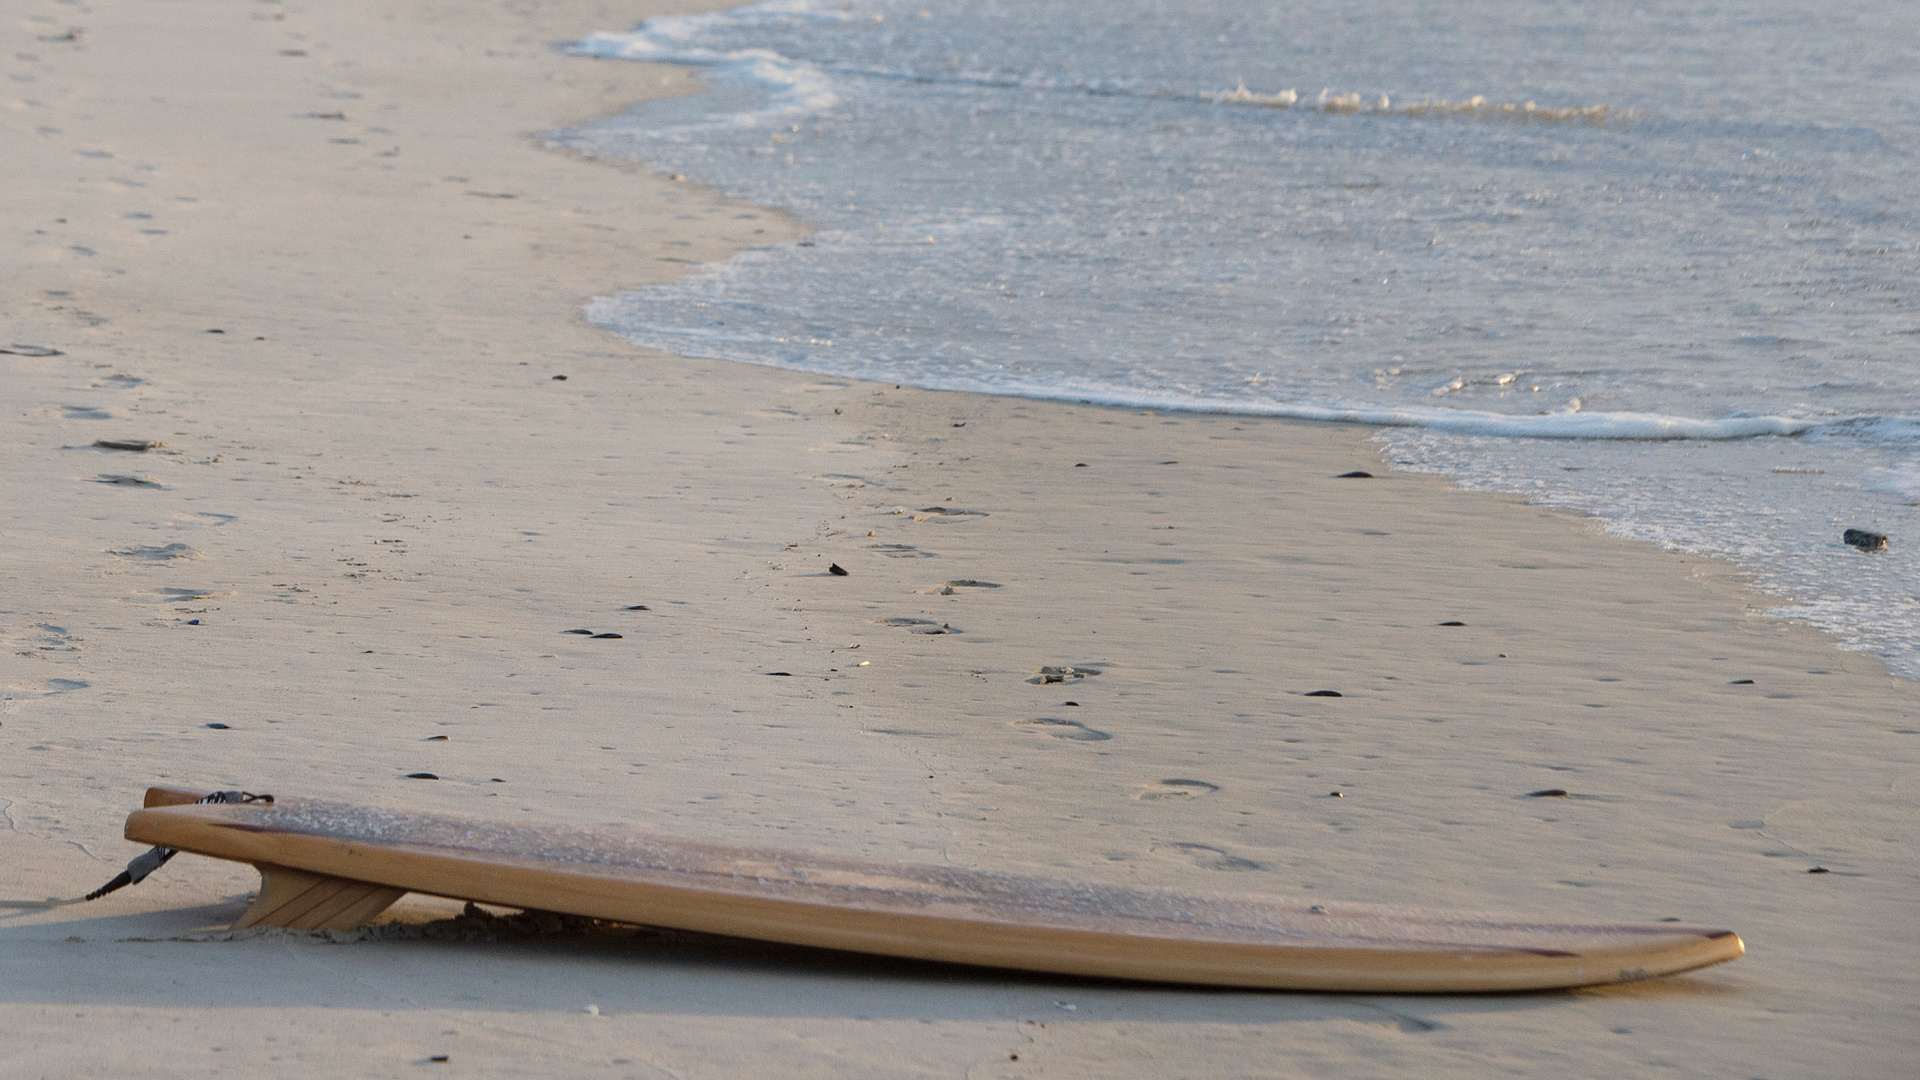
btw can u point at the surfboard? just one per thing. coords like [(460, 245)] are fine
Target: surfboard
[(332, 865)]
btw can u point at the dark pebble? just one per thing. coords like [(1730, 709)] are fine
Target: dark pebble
[(609, 635), (193, 622), (216, 331), (559, 378), (1356, 474), (1079, 464), (1741, 682), (1819, 870), (1453, 622), (421, 776), (1325, 693), (1548, 793), (577, 632), (220, 727), (496, 780), (1864, 540), (438, 1057), (1075, 704), (434, 738), (788, 674), (637, 607), (1169, 463), (836, 570), (1335, 795)]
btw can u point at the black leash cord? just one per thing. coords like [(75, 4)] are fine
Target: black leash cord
[(143, 864)]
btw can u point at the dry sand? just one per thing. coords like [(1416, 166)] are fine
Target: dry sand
[(377, 510)]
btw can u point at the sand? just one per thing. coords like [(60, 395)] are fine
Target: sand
[(377, 510)]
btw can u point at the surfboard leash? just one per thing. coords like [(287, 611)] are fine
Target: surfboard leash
[(143, 864)]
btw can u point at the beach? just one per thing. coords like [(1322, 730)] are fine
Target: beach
[(325, 259)]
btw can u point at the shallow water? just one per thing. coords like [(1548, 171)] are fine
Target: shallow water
[(1656, 266)]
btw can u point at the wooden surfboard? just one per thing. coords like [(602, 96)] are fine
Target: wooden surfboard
[(334, 865)]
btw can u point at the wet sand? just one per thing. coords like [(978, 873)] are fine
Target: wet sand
[(376, 511)]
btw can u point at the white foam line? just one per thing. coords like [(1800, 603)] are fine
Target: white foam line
[(1625, 426), (799, 86), (795, 86)]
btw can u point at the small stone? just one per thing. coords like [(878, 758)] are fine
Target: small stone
[(1819, 870), (1864, 540), (559, 378), (1356, 474), (422, 776), (836, 570), (1549, 793), (1324, 693), (589, 633), (609, 635), (1453, 622), (1741, 682), (636, 607), (219, 727)]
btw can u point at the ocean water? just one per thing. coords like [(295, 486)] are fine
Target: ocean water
[(1655, 262)]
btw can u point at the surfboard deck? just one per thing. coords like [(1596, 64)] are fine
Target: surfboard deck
[(335, 865)]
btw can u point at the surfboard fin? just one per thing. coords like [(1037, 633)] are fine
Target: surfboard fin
[(302, 900)]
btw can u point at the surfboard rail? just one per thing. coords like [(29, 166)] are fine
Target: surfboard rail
[(335, 865)]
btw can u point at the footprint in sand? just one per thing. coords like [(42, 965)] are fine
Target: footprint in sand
[(917, 626), (46, 687), (939, 513), (1051, 674), (1064, 729), (849, 480), (155, 552), (950, 587), (133, 446), (46, 637), (1206, 856), (901, 551), (1168, 790), (126, 480), (86, 412), (179, 596)]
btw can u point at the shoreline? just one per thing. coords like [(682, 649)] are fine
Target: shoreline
[(389, 510)]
